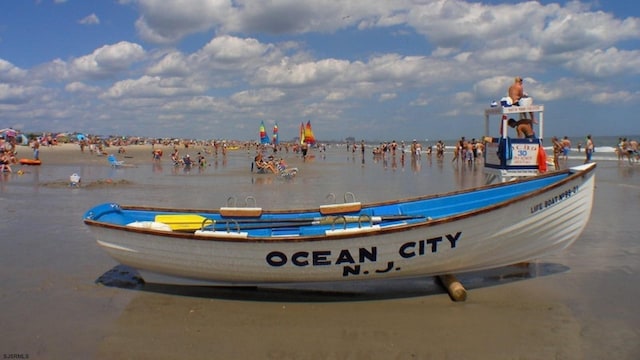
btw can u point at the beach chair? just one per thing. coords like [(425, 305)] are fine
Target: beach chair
[(113, 161), (285, 171)]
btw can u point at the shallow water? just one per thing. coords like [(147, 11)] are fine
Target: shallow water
[(559, 306)]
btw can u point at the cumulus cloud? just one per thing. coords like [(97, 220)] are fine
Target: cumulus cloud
[(233, 50), (605, 63), (164, 21), (79, 87), (169, 21), (615, 97), (10, 73), (257, 97), (107, 60), (11, 94), (151, 87), (306, 73), (173, 63)]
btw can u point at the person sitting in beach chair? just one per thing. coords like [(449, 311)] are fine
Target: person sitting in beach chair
[(264, 166), (113, 161), (5, 162)]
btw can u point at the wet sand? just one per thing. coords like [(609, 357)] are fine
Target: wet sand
[(71, 154), (577, 304)]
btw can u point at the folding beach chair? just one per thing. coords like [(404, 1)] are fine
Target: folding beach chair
[(113, 161)]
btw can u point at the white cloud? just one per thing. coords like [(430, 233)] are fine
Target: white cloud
[(79, 87), (615, 97), (10, 73), (164, 21), (257, 97), (336, 96), (12, 94), (306, 73), (605, 63), (107, 59), (387, 96), (233, 50), (91, 19), (171, 64)]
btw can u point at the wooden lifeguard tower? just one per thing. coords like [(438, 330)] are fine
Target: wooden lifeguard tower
[(507, 158)]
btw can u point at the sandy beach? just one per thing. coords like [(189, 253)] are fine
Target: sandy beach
[(576, 304)]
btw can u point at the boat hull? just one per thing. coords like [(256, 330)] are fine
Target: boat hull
[(502, 233)]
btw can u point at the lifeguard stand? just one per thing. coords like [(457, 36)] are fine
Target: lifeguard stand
[(507, 158)]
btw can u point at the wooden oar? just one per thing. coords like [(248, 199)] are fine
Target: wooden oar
[(296, 223), (189, 222)]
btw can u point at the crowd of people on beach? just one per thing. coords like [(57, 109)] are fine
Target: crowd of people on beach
[(629, 149), (466, 151), (8, 153)]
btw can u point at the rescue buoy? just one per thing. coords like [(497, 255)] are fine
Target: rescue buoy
[(542, 159), (30, 162)]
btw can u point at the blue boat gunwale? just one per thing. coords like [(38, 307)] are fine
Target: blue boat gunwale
[(551, 178)]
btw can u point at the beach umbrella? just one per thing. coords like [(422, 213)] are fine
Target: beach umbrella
[(8, 132), (80, 137)]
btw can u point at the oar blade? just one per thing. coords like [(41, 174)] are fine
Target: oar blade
[(182, 222)]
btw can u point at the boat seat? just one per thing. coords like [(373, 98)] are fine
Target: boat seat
[(340, 208)]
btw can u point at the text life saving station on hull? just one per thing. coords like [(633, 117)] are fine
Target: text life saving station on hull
[(508, 158)]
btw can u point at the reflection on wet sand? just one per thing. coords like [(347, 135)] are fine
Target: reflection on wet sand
[(125, 277)]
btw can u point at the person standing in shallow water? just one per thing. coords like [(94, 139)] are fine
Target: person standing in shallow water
[(558, 149), (36, 149), (588, 149)]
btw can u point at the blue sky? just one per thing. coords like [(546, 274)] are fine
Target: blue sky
[(372, 69)]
